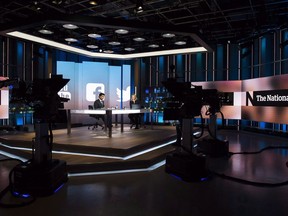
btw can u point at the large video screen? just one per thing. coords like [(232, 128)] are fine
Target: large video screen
[(88, 79), (261, 99), (4, 101)]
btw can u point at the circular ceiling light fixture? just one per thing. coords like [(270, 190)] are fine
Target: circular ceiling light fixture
[(57, 2), (108, 51), (71, 39), (92, 46), (180, 43), (121, 31), (70, 26), (114, 43), (94, 35), (139, 39), (168, 35), (92, 2), (129, 49), (45, 31), (153, 46)]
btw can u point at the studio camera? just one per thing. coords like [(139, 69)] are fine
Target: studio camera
[(41, 95), (188, 100)]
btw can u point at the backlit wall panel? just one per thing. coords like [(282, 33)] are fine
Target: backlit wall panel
[(4, 101), (88, 79)]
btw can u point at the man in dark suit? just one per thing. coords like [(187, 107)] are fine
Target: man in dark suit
[(99, 104)]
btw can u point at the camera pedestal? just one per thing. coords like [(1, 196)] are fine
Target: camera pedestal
[(184, 163), (41, 176)]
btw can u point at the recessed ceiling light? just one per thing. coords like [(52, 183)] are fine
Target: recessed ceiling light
[(71, 39), (92, 46), (121, 31), (93, 35), (92, 2), (70, 26), (168, 35), (114, 43), (108, 51), (129, 49), (45, 31), (139, 39), (57, 2), (153, 46), (180, 42)]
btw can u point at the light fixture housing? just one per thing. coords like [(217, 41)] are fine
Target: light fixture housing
[(92, 46), (57, 2), (139, 39), (129, 49), (92, 2), (153, 45), (94, 35), (45, 31), (70, 26), (71, 40), (180, 43), (168, 35), (114, 43), (121, 31)]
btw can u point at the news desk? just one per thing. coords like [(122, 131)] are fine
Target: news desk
[(108, 113)]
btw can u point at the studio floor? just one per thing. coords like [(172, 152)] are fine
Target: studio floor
[(250, 186)]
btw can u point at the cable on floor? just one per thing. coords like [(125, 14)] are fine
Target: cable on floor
[(259, 184)]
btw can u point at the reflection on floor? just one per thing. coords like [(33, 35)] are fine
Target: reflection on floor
[(156, 193)]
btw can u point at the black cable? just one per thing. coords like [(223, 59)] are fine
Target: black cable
[(259, 184), (202, 128), (243, 181), (261, 150)]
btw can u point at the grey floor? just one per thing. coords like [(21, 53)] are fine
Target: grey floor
[(157, 193)]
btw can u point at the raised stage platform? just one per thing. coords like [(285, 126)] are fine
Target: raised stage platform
[(87, 150)]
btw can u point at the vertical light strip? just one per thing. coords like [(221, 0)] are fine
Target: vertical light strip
[(259, 57), (174, 63), (213, 69), (227, 60), (239, 63), (150, 71), (280, 51), (189, 67), (3, 57), (274, 54), (24, 60), (206, 67), (185, 68), (252, 62), (168, 66), (157, 71), (7, 58), (32, 64)]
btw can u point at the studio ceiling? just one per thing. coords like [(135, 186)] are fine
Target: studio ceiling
[(194, 22)]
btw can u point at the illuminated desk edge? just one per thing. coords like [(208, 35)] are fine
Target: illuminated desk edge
[(114, 111)]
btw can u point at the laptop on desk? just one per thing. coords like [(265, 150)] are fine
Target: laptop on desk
[(135, 106)]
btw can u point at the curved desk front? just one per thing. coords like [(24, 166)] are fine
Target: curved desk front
[(108, 113)]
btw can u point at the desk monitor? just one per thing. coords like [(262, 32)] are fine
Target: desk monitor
[(135, 106)]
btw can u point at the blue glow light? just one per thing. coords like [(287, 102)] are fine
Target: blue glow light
[(57, 189), (21, 195)]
